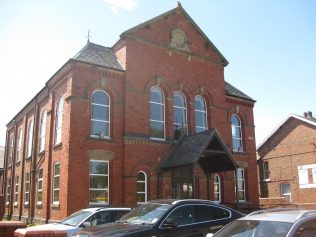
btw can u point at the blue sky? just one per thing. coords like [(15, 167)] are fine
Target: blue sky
[(270, 46)]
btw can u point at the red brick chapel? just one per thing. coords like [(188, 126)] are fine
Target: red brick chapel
[(149, 118)]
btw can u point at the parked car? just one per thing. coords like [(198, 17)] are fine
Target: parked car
[(85, 218), (169, 218), (272, 223)]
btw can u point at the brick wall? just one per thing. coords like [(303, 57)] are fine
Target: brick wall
[(292, 146)]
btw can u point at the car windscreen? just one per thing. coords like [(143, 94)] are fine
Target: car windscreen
[(146, 214), (255, 228), (76, 218)]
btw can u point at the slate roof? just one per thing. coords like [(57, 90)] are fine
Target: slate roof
[(190, 149), (98, 55), (233, 91)]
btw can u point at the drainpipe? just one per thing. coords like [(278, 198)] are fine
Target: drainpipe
[(33, 162), (236, 190), (12, 171), (4, 188), (50, 151), (23, 167)]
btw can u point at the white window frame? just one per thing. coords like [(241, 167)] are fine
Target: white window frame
[(241, 177), (108, 122), (204, 113), (217, 183), (59, 121), (288, 195), (8, 191), (16, 191), (184, 112), (162, 104), (143, 182), (102, 175), (30, 139), (303, 178), (19, 146), (240, 140), (26, 188), (56, 188), (42, 137), (266, 171), (40, 184)]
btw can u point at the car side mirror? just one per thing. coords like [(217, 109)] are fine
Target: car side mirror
[(86, 224), (169, 223)]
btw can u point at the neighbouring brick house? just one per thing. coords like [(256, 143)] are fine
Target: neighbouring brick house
[(151, 117), (287, 163)]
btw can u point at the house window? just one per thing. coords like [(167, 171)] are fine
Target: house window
[(180, 112), (39, 186), (200, 114), (26, 188), (11, 150), (236, 133), (59, 121), (217, 188), (241, 194), (30, 138), (100, 114), (286, 191), (99, 182), (19, 145), (307, 176), (42, 132), (157, 113), (16, 191), (8, 191), (56, 183), (266, 171), (141, 187)]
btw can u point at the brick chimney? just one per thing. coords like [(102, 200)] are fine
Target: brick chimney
[(308, 115)]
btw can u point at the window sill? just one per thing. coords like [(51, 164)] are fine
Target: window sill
[(41, 153), (15, 205), (266, 180), (18, 162), (97, 138), (39, 205), (28, 158), (58, 145), (55, 206)]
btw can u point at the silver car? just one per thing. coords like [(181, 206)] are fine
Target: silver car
[(85, 218), (272, 223)]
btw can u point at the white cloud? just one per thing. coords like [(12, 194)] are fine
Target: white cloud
[(124, 4)]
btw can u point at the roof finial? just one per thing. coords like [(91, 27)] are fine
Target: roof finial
[(88, 36), (179, 4)]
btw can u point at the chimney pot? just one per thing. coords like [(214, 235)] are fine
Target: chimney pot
[(305, 115), (309, 114)]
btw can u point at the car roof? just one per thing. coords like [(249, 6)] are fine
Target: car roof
[(94, 209), (177, 201), (282, 215)]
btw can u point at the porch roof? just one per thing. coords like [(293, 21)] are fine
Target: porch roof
[(206, 148)]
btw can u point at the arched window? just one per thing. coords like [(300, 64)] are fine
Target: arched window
[(42, 132), (59, 121), (29, 139), (236, 133), (200, 114), (19, 145), (100, 114), (180, 112), (11, 150), (157, 113), (141, 187), (217, 188)]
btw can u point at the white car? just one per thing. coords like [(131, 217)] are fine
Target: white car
[(272, 223), (84, 218)]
